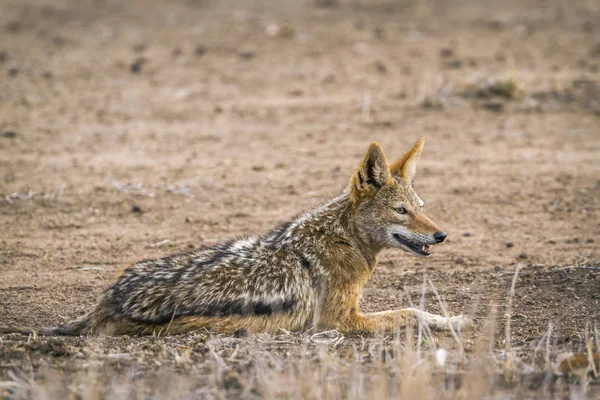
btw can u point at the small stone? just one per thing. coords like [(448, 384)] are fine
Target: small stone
[(523, 256), (460, 261), (467, 234), (287, 31), (13, 27), (446, 52), (284, 30), (509, 244), (595, 51), (452, 64), (140, 48), (380, 67), (136, 209), (137, 65), (200, 50), (9, 134), (246, 55), (497, 268), (495, 106), (327, 3), (327, 79), (13, 71), (496, 25)]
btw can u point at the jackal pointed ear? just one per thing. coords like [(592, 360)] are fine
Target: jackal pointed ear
[(406, 166), (373, 171)]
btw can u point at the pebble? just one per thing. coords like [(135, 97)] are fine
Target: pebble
[(137, 65), (9, 134)]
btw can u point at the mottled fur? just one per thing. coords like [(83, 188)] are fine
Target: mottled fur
[(306, 273)]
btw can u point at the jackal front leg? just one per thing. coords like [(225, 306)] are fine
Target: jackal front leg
[(389, 320)]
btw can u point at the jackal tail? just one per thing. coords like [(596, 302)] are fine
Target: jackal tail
[(80, 326)]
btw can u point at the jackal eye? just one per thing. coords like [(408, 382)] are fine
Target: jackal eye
[(400, 210)]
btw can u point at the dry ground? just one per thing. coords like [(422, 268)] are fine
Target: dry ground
[(124, 125)]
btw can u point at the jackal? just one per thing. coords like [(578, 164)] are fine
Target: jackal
[(307, 273)]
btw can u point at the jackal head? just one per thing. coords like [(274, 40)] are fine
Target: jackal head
[(387, 209)]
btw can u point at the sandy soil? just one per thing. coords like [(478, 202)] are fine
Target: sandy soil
[(135, 129)]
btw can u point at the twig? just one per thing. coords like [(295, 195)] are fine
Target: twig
[(422, 308), (597, 338), (539, 345), (171, 321), (89, 269), (423, 328), (590, 350), (508, 366), (319, 334), (158, 244), (443, 306)]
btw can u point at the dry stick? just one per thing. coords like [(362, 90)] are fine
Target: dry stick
[(508, 366), (548, 362), (422, 308), (549, 366), (597, 340), (427, 330), (428, 334), (170, 322), (443, 306), (590, 349), (539, 345)]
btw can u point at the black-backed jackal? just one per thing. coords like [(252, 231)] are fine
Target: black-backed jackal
[(306, 273)]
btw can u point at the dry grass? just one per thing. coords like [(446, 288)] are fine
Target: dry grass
[(324, 365), (509, 88)]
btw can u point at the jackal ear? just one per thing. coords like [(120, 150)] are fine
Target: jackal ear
[(406, 166), (373, 171)]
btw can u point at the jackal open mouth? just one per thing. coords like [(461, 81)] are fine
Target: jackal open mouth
[(417, 248)]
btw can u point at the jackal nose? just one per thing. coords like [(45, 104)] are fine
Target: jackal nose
[(439, 236)]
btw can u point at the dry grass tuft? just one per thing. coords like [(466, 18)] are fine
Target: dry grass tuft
[(509, 88)]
